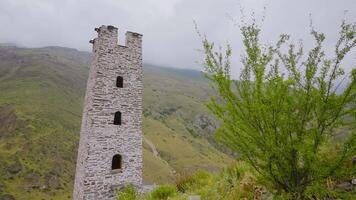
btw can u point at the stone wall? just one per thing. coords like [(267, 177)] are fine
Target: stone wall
[(100, 138)]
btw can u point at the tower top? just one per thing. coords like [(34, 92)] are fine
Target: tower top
[(111, 33)]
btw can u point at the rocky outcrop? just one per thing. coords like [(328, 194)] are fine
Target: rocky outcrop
[(9, 122), (206, 125)]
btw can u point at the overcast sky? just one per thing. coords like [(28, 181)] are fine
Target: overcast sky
[(167, 25)]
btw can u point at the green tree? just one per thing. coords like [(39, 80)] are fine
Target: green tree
[(283, 110)]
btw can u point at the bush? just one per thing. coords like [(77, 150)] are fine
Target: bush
[(190, 182), (236, 182), (283, 110), (128, 193), (163, 192)]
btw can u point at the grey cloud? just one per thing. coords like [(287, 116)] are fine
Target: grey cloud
[(169, 35)]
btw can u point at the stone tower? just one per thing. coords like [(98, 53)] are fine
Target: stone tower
[(110, 147)]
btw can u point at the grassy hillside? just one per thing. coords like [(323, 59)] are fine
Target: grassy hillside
[(41, 96)]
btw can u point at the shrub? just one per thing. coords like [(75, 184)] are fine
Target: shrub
[(128, 193), (163, 192), (183, 184), (282, 111)]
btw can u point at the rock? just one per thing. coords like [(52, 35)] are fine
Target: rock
[(9, 122), (261, 193), (2, 188), (147, 188), (32, 181), (205, 124), (194, 197), (347, 186), (7, 197), (52, 181), (15, 168)]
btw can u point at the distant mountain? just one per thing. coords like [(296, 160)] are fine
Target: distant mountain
[(169, 71), (41, 97)]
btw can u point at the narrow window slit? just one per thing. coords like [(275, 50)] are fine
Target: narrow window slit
[(119, 82), (117, 118), (116, 162)]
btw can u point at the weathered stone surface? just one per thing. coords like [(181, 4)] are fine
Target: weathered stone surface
[(353, 181), (100, 138), (347, 186), (147, 188), (194, 197), (32, 181)]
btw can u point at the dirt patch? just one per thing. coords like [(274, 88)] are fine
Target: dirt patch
[(9, 122)]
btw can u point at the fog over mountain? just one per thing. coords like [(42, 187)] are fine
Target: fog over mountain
[(169, 35)]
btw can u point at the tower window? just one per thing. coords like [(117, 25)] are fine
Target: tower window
[(119, 82), (117, 118), (116, 162)]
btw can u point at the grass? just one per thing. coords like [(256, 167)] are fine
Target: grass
[(163, 172), (196, 154), (232, 183), (45, 89)]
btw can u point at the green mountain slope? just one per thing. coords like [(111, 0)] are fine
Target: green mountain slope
[(41, 96)]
